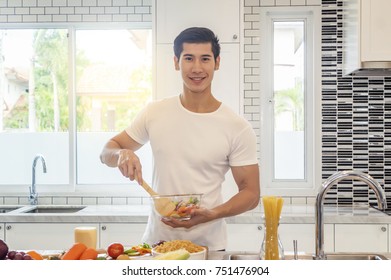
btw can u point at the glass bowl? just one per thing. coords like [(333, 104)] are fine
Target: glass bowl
[(177, 206)]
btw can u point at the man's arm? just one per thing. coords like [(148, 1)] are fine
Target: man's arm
[(119, 152), (247, 198)]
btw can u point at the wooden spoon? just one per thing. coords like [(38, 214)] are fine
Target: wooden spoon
[(163, 205)]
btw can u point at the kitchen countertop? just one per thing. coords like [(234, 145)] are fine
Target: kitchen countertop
[(139, 214)]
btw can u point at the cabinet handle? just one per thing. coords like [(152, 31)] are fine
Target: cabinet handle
[(9, 227), (103, 227), (235, 37), (1, 227), (259, 227), (383, 229)]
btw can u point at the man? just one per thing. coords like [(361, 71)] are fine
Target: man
[(195, 140)]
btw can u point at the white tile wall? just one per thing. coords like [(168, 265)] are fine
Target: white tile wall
[(90, 201), (298, 2), (283, 2), (267, 2), (37, 11)]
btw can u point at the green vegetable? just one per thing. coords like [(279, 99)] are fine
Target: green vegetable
[(131, 252), (193, 200), (145, 245)]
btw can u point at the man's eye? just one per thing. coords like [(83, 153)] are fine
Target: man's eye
[(206, 59), (188, 58)]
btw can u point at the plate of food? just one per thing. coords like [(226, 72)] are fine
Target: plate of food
[(197, 252)]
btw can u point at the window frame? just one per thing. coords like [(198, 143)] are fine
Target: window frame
[(310, 185), (73, 187)]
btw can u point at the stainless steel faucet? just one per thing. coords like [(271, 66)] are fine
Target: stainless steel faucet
[(331, 181), (33, 197)]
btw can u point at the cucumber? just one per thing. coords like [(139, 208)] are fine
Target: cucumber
[(181, 254)]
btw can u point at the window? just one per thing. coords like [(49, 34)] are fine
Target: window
[(290, 70), (64, 93)]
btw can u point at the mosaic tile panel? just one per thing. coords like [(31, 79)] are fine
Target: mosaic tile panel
[(356, 125)]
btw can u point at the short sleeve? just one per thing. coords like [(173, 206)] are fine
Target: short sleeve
[(244, 148), (138, 129)]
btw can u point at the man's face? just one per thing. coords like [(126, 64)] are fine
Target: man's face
[(197, 66)]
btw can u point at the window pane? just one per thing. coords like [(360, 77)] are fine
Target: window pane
[(289, 101), (34, 99), (114, 81)]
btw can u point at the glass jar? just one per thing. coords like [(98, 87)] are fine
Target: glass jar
[(271, 247)]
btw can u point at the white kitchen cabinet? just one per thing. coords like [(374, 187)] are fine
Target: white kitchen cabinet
[(244, 237), (305, 236), (2, 229), (389, 237), (127, 234), (225, 86), (173, 16), (249, 237), (375, 30), (367, 28), (361, 237), (42, 236)]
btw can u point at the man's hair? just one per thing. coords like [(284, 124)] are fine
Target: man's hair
[(196, 35)]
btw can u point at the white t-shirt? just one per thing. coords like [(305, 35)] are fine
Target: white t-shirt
[(192, 153)]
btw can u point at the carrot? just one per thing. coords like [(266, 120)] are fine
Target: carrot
[(35, 255), (89, 254), (74, 252)]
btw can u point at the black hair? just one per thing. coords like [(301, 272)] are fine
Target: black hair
[(196, 35)]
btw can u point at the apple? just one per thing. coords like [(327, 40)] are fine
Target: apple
[(115, 249)]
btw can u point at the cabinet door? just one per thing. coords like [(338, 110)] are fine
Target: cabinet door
[(375, 30), (225, 85), (2, 229), (361, 238), (305, 236), (244, 237), (41, 236), (173, 16), (126, 234)]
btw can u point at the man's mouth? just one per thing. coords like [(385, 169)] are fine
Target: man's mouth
[(197, 78)]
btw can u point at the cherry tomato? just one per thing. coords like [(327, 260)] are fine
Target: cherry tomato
[(115, 249)]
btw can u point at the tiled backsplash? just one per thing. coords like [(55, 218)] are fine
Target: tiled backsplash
[(355, 116), (43, 11), (356, 123), (76, 200), (120, 200)]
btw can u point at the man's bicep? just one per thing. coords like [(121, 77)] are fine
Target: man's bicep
[(246, 176), (124, 141)]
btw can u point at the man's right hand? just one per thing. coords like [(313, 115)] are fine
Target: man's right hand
[(129, 165)]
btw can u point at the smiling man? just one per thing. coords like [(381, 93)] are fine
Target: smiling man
[(195, 141)]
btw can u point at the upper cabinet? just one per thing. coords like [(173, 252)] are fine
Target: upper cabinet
[(221, 16), (375, 30), (367, 40)]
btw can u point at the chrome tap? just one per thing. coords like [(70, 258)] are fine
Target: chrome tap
[(33, 197), (332, 180)]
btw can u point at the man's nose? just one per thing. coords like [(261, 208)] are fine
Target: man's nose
[(197, 66)]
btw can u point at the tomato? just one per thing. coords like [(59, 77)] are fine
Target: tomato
[(115, 249)]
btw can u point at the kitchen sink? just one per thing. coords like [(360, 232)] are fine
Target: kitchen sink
[(6, 209), (331, 256), (45, 209)]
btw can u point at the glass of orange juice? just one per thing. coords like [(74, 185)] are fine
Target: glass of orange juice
[(86, 235)]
